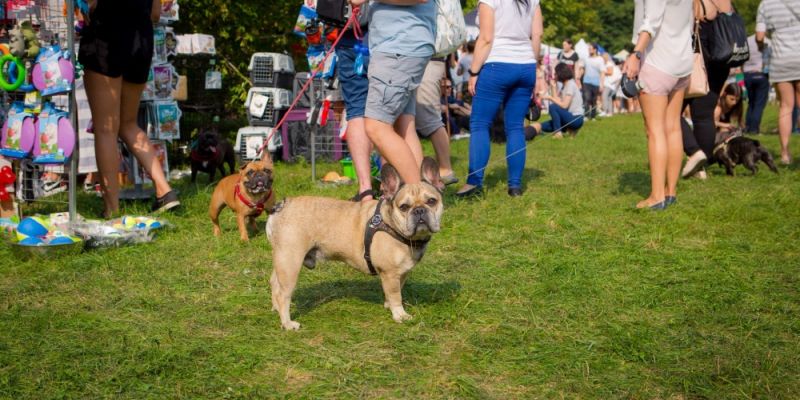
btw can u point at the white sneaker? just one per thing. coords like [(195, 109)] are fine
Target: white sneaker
[(696, 162), (701, 175)]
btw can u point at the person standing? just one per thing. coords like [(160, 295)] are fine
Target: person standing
[(116, 50), (592, 81), (463, 66), (757, 84), (401, 42), (781, 20), (662, 59), (698, 139), (611, 79), (568, 55), (429, 117), (503, 73), (354, 86)]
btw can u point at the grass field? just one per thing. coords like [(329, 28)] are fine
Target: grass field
[(565, 292)]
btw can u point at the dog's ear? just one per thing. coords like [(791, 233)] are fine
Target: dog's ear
[(430, 172), (390, 181), (265, 157)]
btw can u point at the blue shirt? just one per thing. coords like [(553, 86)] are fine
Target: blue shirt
[(404, 30), (592, 70)]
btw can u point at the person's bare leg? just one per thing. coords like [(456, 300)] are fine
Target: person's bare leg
[(360, 147), (104, 95), (672, 126), (406, 127), (441, 145), (653, 109), (136, 139), (787, 95), (394, 148)]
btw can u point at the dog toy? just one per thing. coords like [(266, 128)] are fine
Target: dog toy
[(16, 67), (16, 42), (7, 177), (13, 75), (56, 136), (32, 227), (53, 72), (19, 132)]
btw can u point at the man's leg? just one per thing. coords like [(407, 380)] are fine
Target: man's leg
[(360, 147)]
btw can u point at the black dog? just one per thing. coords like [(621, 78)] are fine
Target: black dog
[(209, 153), (733, 149)]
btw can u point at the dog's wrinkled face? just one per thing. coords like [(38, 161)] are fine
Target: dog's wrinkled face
[(725, 134), (415, 209), (207, 141), (256, 176)]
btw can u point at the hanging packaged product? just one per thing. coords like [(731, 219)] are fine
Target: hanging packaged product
[(53, 72), (165, 80), (149, 92), (168, 117), (306, 16), (19, 132), (56, 136), (159, 45), (169, 11)]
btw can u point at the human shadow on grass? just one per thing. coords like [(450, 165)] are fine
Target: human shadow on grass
[(414, 292), (633, 182)]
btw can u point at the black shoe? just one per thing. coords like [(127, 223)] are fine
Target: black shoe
[(670, 200), (474, 192), (530, 133), (515, 192), (166, 202)]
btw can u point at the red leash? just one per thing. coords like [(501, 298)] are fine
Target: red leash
[(320, 67)]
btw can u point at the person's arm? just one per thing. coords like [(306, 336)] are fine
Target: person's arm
[(483, 44), (653, 17), (719, 124), (537, 28), (155, 10), (761, 27)]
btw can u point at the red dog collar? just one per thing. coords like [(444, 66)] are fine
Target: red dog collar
[(259, 207)]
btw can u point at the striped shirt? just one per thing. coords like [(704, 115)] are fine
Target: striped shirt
[(781, 19)]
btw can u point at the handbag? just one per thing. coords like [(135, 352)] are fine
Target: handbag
[(698, 80), (451, 30), (534, 110), (728, 40)]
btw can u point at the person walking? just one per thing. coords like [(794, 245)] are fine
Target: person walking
[(781, 20), (592, 81), (612, 76), (662, 59), (429, 117), (401, 42), (756, 81), (116, 50), (503, 73)]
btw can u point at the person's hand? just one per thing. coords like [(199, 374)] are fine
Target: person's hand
[(473, 81), (631, 67)]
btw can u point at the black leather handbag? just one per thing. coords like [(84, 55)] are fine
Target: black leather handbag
[(727, 40)]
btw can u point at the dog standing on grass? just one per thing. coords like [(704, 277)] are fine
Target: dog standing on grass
[(210, 153), (248, 193), (386, 237), (733, 149)]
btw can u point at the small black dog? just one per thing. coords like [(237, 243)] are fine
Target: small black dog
[(210, 152), (733, 149)]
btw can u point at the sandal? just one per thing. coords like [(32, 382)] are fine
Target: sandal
[(360, 196)]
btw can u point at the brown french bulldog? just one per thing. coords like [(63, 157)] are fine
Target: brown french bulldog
[(248, 194), (396, 230)]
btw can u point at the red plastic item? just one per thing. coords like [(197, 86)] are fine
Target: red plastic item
[(7, 177)]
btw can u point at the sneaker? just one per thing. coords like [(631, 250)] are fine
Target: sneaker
[(558, 135), (166, 202), (695, 162), (702, 175)]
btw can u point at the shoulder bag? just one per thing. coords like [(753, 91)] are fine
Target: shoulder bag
[(727, 40), (698, 80), (451, 30)]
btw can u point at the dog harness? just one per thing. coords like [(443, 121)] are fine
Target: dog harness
[(205, 159), (376, 224), (259, 207)]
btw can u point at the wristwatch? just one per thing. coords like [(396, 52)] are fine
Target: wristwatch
[(473, 73), (638, 54)]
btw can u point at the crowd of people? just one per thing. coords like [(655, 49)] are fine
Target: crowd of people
[(500, 75)]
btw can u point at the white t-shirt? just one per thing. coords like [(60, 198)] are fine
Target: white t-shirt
[(669, 23), (512, 31), (612, 81)]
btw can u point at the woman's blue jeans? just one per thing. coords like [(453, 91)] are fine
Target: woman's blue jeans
[(511, 86), (561, 119)]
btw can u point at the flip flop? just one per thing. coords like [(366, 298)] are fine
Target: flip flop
[(449, 179)]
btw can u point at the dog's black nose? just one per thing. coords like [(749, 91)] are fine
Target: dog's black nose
[(419, 211)]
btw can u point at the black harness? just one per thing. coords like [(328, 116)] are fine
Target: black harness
[(376, 224)]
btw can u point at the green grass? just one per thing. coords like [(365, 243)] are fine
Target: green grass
[(566, 292)]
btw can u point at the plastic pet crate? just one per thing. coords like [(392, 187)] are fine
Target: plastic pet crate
[(273, 70), (250, 138), (300, 79), (266, 106)]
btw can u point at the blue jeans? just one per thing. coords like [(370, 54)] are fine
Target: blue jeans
[(561, 119), (757, 85), (511, 86)]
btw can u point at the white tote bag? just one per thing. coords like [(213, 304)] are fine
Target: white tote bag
[(451, 30)]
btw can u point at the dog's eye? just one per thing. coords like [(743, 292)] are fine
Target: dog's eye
[(250, 173), (405, 207), (431, 202)]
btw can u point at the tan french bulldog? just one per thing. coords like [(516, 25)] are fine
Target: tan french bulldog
[(248, 194), (396, 230)]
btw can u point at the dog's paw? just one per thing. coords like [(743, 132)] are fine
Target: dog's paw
[(401, 317), (291, 326)]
